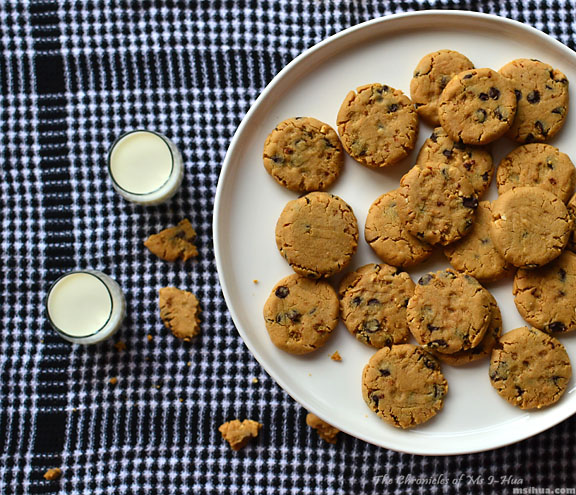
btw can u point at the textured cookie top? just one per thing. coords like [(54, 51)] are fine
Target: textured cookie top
[(179, 311), (174, 242), (529, 368), (473, 161), (542, 94), (539, 165), (300, 314), (437, 203), (387, 236), (477, 106), (378, 125), (431, 76), (373, 302), (404, 385), (317, 234), (530, 226), (572, 210), (546, 297), (303, 154), (449, 311), (476, 254)]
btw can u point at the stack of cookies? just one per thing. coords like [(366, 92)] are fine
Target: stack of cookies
[(527, 233)]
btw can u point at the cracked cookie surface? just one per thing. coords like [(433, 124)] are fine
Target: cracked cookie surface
[(437, 204), (431, 76), (529, 368), (180, 310), (473, 161), (476, 254), (477, 106), (546, 297), (317, 234), (378, 125), (542, 95), (404, 385), (373, 303), (530, 226), (449, 311), (537, 165), (387, 236), (300, 314), (303, 154), (174, 242)]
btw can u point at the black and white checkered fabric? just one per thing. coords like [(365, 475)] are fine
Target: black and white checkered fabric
[(73, 76)]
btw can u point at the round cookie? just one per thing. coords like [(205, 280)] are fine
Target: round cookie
[(387, 236), (473, 161), (437, 204), (404, 385), (484, 348), (431, 76), (378, 125), (538, 165), (529, 368), (476, 254), (546, 297), (303, 154), (477, 106), (317, 234), (542, 94), (449, 311), (300, 314), (530, 226), (373, 303)]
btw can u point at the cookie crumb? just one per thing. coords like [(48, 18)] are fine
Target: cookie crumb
[(238, 433), (189, 363), (179, 310), (149, 338), (254, 380), (53, 474), (120, 345), (181, 399), (174, 242), (255, 280), (336, 356), (325, 431), (113, 380)]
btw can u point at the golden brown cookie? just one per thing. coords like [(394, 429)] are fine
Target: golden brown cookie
[(239, 433), (529, 368), (449, 311), (476, 254), (53, 474), (542, 94), (317, 234), (325, 431), (475, 162), (530, 226), (546, 297), (404, 385), (477, 106), (303, 154), (378, 125), (300, 314), (537, 165), (373, 303), (431, 76), (437, 204), (387, 236), (180, 310), (174, 242)]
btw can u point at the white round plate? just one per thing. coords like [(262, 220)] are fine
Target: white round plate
[(248, 203)]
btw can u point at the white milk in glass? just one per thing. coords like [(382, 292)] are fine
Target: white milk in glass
[(145, 167)]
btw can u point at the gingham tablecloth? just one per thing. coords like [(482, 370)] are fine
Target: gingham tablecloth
[(73, 76)]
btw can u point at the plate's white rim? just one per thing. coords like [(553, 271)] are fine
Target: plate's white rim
[(237, 138)]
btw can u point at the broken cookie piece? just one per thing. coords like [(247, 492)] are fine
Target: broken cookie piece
[(325, 431), (174, 242), (179, 310), (53, 474), (239, 433)]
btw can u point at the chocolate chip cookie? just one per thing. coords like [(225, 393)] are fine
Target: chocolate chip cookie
[(300, 314), (174, 242), (303, 154), (477, 106), (378, 125), (180, 310), (373, 302)]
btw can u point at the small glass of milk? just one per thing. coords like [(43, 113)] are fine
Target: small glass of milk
[(145, 167), (85, 307)]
